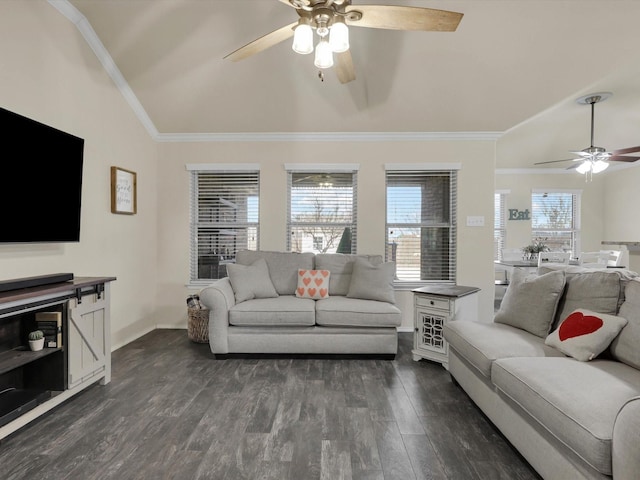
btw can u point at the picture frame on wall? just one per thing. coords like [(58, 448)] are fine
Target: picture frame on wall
[(123, 191)]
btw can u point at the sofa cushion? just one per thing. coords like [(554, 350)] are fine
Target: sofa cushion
[(625, 346), (286, 310), (339, 311), (559, 393), (531, 300), (251, 281), (283, 267), (313, 284), (482, 343), (584, 334), (595, 291), (341, 267), (372, 282)]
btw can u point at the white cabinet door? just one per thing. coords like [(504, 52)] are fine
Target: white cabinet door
[(89, 337)]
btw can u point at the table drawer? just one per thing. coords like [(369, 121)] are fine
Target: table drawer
[(432, 302)]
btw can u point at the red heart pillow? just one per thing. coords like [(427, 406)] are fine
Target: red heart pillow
[(584, 334), (577, 324)]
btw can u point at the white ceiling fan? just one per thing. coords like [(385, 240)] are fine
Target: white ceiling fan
[(331, 18), (596, 159)]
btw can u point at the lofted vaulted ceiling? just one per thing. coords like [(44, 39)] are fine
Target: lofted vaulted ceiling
[(509, 63)]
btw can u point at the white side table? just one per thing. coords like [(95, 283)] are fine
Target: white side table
[(434, 306)]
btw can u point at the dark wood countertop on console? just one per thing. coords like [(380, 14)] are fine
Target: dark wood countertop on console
[(62, 287), (447, 290)]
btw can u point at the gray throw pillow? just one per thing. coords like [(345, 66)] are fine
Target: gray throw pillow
[(625, 346), (530, 301), (251, 281), (372, 282)]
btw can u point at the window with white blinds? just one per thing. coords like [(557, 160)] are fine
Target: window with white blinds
[(322, 212), (555, 218), (224, 219), (499, 224), (421, 225)]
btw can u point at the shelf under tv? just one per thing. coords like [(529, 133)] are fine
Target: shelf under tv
[(20, 356), (16, 402)]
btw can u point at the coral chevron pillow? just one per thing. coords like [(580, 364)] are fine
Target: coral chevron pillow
[(584, 334), (313, 284)]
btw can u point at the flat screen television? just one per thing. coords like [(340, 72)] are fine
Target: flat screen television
[(40, 182)]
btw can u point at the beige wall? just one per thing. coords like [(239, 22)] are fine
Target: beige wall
[(476, 186), (621, 210), (48, 73)]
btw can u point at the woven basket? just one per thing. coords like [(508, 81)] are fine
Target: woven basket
[(198, 325)]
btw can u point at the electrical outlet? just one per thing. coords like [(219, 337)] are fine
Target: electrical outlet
[(475, 221)]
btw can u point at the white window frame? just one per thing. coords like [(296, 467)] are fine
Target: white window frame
[(297, 170), (574, 231), (449, 258), (199, 262)]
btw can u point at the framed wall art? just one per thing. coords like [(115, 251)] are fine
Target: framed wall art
[(123, 191)]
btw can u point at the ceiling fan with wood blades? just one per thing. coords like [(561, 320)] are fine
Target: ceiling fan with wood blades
[(331, 18), (596, 159)]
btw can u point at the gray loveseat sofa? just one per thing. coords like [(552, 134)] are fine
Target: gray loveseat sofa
[(259, 308), (570, 418)]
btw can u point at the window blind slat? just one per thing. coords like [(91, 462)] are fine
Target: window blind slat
[(321, 212), (500, 225), (224, 219), (555, 218), (421, 224)]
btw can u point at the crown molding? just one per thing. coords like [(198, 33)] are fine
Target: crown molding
[(560, 171), (327, 137), (90, 36)]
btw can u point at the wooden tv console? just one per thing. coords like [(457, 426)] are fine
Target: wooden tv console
[(39, 381)]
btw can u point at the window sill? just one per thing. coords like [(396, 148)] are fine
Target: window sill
[(399, 285)]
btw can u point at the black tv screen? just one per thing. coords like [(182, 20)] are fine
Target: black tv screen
[(40, 182)]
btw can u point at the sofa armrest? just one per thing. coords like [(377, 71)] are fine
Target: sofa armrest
[(625, 446), (218, 298)]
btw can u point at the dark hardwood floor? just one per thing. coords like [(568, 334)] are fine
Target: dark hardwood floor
[(172, 411)]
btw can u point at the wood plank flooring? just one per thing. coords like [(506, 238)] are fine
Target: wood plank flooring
[(172, 411)]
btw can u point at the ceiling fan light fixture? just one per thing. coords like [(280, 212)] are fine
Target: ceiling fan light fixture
[(324, 55), (339, 36), (584, 167), (599, 166), (303, 38)]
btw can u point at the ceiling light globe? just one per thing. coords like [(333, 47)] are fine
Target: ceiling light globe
[(339, 37), (303, 39), (584, 167), (324, 55), (600, 166)]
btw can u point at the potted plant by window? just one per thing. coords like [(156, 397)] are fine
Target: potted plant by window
[(532, 250), (36, 340)]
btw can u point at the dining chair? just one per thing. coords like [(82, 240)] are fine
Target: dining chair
[(554, 257), (592, 260), (613, 258)]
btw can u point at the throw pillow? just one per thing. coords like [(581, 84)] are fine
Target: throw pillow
[(313, 284), (372, 282), (584, 334), (251, 281), (530, 301), (624, 347)]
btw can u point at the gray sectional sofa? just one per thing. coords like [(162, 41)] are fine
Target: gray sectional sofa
[(569, 418), (262, 306)]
